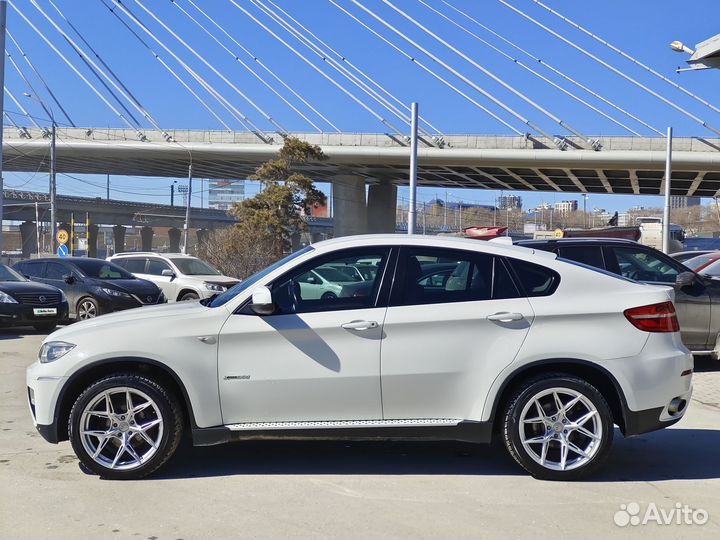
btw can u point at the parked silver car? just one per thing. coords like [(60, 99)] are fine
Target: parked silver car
[(697, 297)]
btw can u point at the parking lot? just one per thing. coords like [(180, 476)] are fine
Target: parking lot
[(337, 489)]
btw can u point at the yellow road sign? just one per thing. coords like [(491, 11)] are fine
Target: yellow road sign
[(558, 233), (62, 236)]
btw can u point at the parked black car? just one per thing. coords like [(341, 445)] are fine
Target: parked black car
[(697, 298), (92, 286), (24, 303)]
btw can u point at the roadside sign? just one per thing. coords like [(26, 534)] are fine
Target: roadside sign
[(62, 236), (558, 233), (63, 250), (82, 244)]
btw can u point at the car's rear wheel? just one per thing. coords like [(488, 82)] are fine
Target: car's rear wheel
[(87, 308), (329, 296), (125, 426), (558, 427)]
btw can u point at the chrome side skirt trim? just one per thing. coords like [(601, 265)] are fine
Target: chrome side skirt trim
[(334, 424)]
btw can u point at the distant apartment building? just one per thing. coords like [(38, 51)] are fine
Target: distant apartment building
[(222, 194), (681, 201), (565, 207), (509, 201)]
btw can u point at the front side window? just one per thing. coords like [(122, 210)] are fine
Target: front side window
[(643, 265), (155, 267), (438, 276), (98, 269), (55, 271), (322, 285)]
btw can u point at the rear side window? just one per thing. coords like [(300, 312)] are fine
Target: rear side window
[(441, 276), (134, 265), (589, 255), (536, 280), (33, 269)]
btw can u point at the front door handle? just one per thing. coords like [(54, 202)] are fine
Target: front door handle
[(359, 325), (505, 317)]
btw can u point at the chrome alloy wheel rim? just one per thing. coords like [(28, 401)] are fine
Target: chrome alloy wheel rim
[(121, 428), (87, 310), (560, 429)]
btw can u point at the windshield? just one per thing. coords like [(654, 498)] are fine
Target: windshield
[(8, 274), (228, 295), (98, 269), (194, 267)]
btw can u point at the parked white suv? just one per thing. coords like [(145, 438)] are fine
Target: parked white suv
[(181, 277), (545, 354)]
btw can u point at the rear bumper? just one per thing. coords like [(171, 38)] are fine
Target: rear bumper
[(637, 422)]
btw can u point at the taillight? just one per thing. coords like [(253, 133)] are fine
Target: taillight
[(654, 318)]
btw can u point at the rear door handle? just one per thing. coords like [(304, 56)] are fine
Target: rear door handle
[(359, 325), (505, 317)]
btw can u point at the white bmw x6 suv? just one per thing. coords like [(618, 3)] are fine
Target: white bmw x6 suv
[(446, 339)]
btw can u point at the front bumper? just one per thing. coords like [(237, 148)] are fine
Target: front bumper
[(43, 392), (24, 314)]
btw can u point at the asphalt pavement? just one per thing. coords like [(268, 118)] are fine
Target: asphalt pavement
[(356, 490)]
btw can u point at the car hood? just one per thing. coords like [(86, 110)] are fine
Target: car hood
[(26, 287), (116, 321), (132, 286)]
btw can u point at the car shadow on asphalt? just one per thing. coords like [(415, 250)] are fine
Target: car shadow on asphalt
[(671, 454), (706, 364)]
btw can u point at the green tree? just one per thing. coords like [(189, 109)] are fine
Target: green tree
[(275, 214)]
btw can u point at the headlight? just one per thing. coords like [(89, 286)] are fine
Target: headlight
[(52, 350), (213, 287), (7, 299), (113, 292)]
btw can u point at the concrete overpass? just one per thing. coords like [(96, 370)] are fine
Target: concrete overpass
[(626, 165)]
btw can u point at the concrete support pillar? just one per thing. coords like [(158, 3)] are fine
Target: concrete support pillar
[(28, 237), (174, 237), (295, 241), (381, 207), (349, 208), (146, 237), (118, 238), (92, 236), (203, 235)]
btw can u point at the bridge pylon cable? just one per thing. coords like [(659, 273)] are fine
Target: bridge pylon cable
[(246, 66), (611, 68), (332, 63), (76, 71), (359, 71), (529, 69), (562, 123), (212, 68), (425, 68), (270, 72), (630, 58), (475, 86), (168, 68), (27, 83), (553, 69), (239, 117), (127, 92), (40, 78), (313, 66)]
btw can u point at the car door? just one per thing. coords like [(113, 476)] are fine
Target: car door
[(692, 303), (447, 339), (54, 274), (153, 272), (314, 359)]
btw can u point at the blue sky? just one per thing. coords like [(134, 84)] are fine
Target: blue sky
[(643, 28)]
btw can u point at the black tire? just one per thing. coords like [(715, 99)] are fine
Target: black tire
[(165, 407), (602, 427), (188, 296), (45, 327), (87, 308), (328, 296)]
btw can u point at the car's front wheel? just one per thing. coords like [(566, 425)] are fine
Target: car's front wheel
[(125, 426), (558, 427)]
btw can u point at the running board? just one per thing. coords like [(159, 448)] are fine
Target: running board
[(335, 424)]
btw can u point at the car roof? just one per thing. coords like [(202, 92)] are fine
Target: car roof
[(147, 253), (530, 243)]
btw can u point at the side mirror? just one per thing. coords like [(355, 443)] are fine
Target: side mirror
[(69, 279), (168, 273), (262, 302), (685, 279)]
